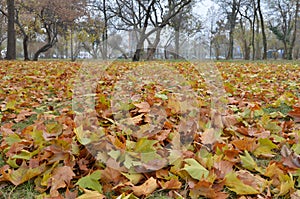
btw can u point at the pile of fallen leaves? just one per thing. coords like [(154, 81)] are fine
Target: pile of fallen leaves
[(122, 131)]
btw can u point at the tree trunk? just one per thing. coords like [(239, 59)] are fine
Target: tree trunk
[(25, 37), (52, 39), (11, 32), (231, 43), (177, 35), (73, 58), (263, 32), (247, 51), (257, 44), (140, 44), (137, 54), (105, 33), (43, 49), (292, 45), (153, 46), (25, 47), (232, 18), (253, 31)]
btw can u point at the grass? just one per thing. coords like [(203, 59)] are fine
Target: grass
[(10, 191), (24, 191)]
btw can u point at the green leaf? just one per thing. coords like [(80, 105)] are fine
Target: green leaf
[(145, 146), (195, 170), (114, 154), (81, 136), (134, 178), (265, 147), (129, 162), (287, 184), (146, 157), (26, 155), (237, 186), (11, 105), (273, 127), (249, 163), (161, 96), (296, 148), (12, 138), (91, 181)]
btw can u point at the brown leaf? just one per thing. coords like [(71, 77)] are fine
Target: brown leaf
[(207, 189), (23, 114), (295, 113), (145, 189), (248, 144), (70, 194), (109, 175), (243, 130), (210, 136), (222, 168), (255, 181), (172, 184), (21, 175), (144, 107), (229, 121), (61, 178), (290, 158)]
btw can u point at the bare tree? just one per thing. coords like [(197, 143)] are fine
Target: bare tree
[(284, 23), (146, 17), (101, 10), (185, 21), (11, 32), (231, 9), (248, 11), (51, 16)]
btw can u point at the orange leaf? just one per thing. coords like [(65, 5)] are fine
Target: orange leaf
[(145, 189), (172, 184), (245, 144)]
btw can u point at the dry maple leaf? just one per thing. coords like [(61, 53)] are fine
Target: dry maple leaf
[(145, 189), (210, 136), (144, 107), (172, 184), (61, 178), (295, 113)]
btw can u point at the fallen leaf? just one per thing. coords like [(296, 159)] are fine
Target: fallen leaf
[(91, 195), (210, 136), (22, 174), (171, 184), (61, 178), (237, 186), (195, 169), (144, 107), (91, 181), (145, 189)]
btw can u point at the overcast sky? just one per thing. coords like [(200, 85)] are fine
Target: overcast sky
[(202, 7)]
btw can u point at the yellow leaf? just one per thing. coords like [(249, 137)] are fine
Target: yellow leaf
[(91, 195), (237, 186)]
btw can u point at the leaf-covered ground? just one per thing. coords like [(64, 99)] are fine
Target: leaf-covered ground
[(121, 130)]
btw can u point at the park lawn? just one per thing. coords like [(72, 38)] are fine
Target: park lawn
[(156, 129)]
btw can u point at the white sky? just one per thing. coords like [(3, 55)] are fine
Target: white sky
[(202, 7)]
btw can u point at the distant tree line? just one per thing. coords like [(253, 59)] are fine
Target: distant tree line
[(252, 24), (136, 29)]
